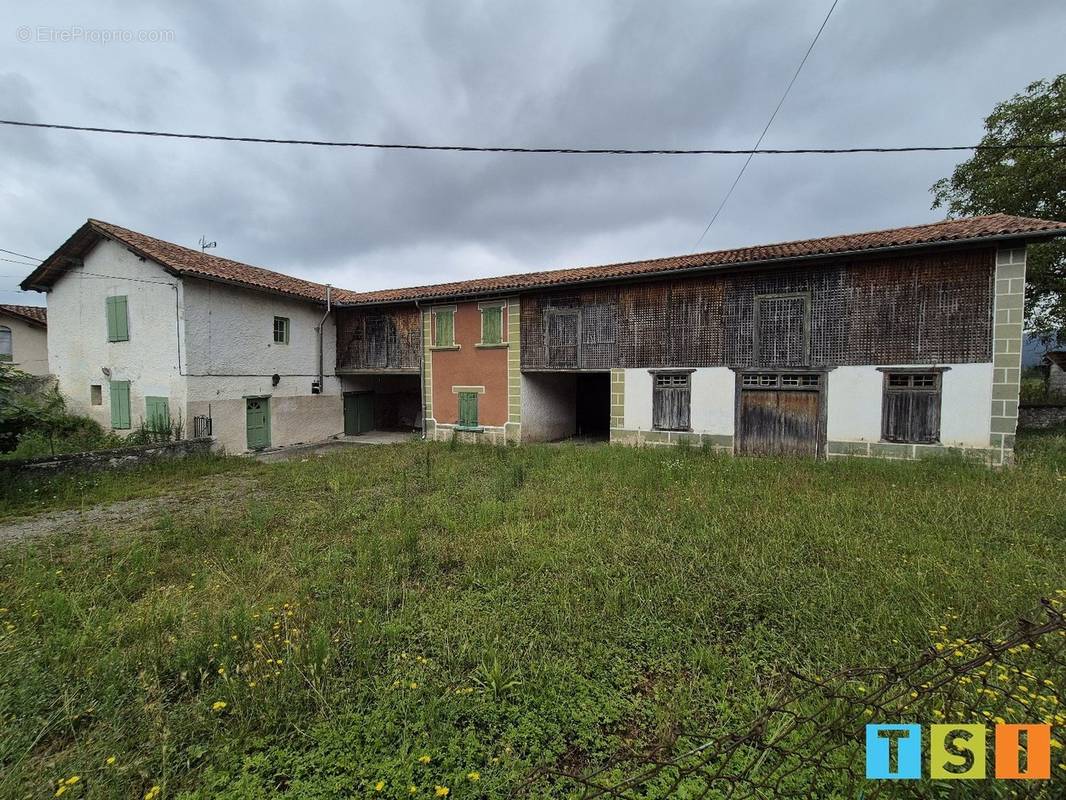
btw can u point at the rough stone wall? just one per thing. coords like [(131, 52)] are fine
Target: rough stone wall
[(119, 458)]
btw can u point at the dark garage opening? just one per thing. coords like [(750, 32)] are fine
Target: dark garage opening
[(382, 403), (565, 405), (594, 405)]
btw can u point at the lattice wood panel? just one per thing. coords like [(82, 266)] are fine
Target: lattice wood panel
[(379, 338), (912, 309)]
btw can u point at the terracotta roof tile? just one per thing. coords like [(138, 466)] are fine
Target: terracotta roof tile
[(186, 261), (956, 230), (37, 314), (180, 260)]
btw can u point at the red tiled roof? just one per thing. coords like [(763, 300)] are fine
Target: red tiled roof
[(177, 259), (949, 231), (189, 262), (35, 314)]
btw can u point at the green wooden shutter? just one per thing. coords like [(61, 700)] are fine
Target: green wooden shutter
[(120, 405), (157, 413), (118, 326), (491, 325), (467, 409), (445, 328)]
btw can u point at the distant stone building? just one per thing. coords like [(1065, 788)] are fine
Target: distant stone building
[(1055, 364)]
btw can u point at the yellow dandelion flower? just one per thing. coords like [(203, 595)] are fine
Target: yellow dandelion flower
[(474, 776), (60, 790), (441, 791), (218, 705), (152, 793), (413, 790), (110, 761), (379, 786), (414, 685), (73, 779), (425, 759)]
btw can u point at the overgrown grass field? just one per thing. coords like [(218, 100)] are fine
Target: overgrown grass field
[(421, 620)]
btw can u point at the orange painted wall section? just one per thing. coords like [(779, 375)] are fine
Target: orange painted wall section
[(470, 366)]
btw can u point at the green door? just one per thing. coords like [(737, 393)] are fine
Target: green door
[(358, 413), (258, 423)]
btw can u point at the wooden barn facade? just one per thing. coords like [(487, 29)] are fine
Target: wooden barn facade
[(896, 343)]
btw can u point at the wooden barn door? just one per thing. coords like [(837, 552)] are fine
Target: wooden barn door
[(780, 414)]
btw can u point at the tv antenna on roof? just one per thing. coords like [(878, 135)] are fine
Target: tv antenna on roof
[(206, 245)]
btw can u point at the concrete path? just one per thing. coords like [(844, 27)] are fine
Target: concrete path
[(331, 445)]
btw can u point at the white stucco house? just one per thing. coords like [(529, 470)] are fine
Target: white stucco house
[(146, 328), (24, 338)]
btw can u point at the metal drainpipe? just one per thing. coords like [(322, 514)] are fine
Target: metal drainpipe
[(321, 325), (422, 366)]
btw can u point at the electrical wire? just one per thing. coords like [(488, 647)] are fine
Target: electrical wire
[(547, 150), (769, 122), (20, 255)]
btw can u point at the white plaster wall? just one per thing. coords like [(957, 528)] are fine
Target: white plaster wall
[(549, 406), (230, 332), (29, 345), (78, 349), (712, 401), (231, 355), (853, 404)]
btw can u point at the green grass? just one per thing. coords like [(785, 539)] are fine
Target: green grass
[(493, 609), (28, 494)]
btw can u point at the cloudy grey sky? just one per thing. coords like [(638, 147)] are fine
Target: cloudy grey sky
[(678, 74)]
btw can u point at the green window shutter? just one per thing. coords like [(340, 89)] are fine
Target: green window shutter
[(118, 325), (445, 328), (467, 409), (157, 413), (491, 325), (120, 405)]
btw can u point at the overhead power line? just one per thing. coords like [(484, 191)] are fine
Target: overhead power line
[(542, 150), (769, 122), (20, 255), (15, 261)]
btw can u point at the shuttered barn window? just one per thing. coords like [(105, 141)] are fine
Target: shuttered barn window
[(910, 408), (563, 338), (467, 409), (492, 325), (782, 329), (671, 401)]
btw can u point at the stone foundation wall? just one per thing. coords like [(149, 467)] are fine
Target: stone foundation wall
[(118, 458), (1043, 416)]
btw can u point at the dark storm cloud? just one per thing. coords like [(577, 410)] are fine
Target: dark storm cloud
[(592, 74)]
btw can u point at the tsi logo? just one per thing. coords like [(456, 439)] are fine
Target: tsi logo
[(894, 752)]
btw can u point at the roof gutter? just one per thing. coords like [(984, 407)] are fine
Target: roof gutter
[(1028, 236)]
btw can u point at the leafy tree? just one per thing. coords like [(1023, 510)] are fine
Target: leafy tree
[(1029, 183)]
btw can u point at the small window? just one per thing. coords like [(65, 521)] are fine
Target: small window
[(671, 401), (96, 395), (281, 330), (492, 325), (118, 319), (910, 408), (6, 353), (467, 409), (444, 327)]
